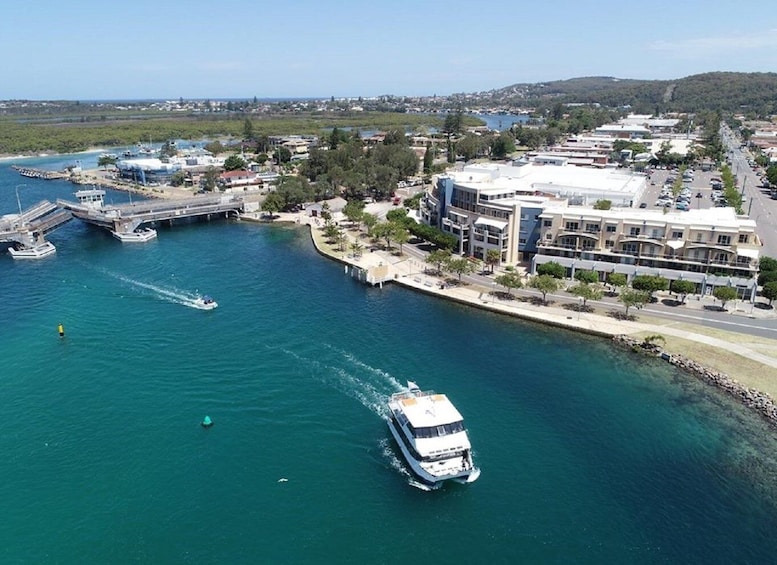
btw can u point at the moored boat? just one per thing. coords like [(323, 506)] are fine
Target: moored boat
[(431, 435), (35, 252), (137, 236)]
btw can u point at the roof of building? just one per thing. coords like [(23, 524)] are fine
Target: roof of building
[(721, 218), (530, 178)]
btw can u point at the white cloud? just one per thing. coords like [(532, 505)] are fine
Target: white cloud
[(705, 46)]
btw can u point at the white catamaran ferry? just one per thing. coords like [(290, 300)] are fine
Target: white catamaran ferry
[(430, 432)]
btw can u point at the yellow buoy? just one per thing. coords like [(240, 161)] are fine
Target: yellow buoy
[(61, 330)]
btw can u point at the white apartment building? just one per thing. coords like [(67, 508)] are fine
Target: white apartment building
[(710, 247), (489, 206)]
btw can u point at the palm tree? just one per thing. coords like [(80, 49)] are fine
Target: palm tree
[(493, 257)]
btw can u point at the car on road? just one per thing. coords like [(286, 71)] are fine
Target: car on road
[(643, 205)]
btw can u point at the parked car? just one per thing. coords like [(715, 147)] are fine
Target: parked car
[(643, 205)]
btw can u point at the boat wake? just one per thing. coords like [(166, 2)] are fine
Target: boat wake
[(398, 465), (351, 376), (168, 294)]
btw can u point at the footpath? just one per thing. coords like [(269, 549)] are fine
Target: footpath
[(732, 357)]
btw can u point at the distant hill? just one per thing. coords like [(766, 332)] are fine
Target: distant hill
[(726, 91)]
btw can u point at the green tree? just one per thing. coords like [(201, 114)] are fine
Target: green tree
[(602, 204), (682, 288), (356, 249), (509, 280), (106, 160), (438, 258), (616, 280), (454, 123), (428, 159), (369, 221), (401, 236), (765, 277), (586, 276), (587, 292), (273, 204), (725, 294), (353, 210), (210, 178), (633, 298), (769, 291), (178, 178), (248, 129), (555, 270), (234, 163), (214, 148), (385, 231), (470, 146), (649, 283), (771, 174), (460, 266), (493, 257), (545, 284), (502, 145), (282, 155), (767, 264)]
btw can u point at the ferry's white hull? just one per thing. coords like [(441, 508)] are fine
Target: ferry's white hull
[(456, 473), (37, 252), (136, 236)]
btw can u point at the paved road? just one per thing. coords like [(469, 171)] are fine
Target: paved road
[(692, 314), (760, 207)]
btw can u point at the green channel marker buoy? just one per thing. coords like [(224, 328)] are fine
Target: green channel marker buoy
[(206, 422)]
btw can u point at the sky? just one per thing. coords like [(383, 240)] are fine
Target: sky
[(142, 49)]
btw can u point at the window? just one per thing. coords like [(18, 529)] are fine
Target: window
[(635, 231), (699, 237), (724, 240), (611, 228), (547, 223), (677, 235), (592, 228), (609, 243), (632, 248), (572, 226), (743, 238), (522, 241)]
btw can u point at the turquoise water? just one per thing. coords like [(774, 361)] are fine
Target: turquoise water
[(589, 454)]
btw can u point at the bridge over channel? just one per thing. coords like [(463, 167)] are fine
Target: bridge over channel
[(28, 228), (126, 218)]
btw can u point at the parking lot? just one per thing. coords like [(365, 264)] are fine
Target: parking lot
[(700, 189)]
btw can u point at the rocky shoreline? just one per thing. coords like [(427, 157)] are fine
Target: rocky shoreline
[(754, 399)]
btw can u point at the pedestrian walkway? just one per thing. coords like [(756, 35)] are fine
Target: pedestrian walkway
[(559, 311)]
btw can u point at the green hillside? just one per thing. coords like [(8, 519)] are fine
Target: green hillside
[(733, 92)]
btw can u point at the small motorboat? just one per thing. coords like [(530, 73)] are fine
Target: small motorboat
[(205, 303)]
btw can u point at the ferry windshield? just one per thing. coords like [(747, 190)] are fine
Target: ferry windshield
[(437, 431)]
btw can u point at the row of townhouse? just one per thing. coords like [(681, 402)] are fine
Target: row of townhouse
[(710, 247), (531, 220)]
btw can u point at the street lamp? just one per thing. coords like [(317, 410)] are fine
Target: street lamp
[(579, 306), (18, 201)]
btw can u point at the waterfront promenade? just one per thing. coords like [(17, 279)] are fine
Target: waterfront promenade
[(750, 360)]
